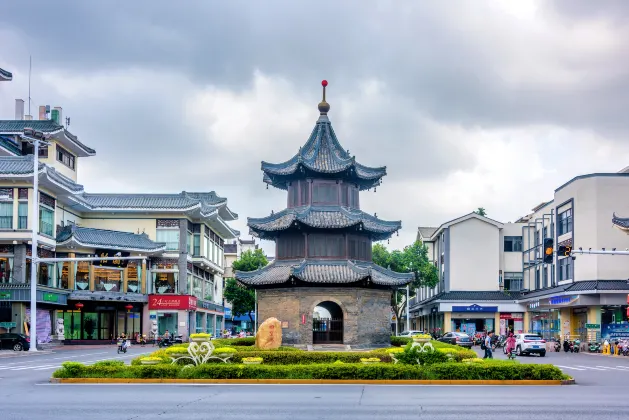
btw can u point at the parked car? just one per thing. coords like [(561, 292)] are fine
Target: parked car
[(409, 333), (526, 344), (456, 338), (16, 342)]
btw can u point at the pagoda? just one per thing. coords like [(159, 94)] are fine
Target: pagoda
[(323, 285)]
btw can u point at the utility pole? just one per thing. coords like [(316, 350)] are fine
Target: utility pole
[(35, 138)]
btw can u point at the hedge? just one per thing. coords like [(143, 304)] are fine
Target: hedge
[(382, 371), (294, 357)]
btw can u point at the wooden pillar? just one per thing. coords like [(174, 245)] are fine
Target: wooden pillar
[(143, 277), (125, 279), (71, 275), (91, 276)]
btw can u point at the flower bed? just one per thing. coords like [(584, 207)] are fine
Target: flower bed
[(497, 370)]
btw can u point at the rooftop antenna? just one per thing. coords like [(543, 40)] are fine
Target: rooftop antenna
[(30, 67)]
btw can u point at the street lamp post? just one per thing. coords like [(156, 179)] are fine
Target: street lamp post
[(36, 138)]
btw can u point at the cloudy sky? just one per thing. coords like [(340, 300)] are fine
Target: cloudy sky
[(468, 104)]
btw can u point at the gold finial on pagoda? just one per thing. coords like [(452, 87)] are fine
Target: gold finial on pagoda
[(324, 107)]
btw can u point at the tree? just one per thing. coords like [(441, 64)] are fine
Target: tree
[(242, 297), (413, 258), (481, 212)]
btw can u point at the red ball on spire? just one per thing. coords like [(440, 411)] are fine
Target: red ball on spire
[(324, 83)]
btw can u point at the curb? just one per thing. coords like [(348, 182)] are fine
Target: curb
[(309, 381)]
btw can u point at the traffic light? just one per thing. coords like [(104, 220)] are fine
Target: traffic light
[(548, 250), (564, 251)]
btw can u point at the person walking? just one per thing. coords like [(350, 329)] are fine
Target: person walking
[(510, 345), (488, 354)]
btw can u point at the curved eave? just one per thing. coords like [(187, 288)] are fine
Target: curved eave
[(621, 223), (73, 242), (48, 179), (352, 173), (342, 272)]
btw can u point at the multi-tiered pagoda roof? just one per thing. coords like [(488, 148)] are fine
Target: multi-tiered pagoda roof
[(322, 237)]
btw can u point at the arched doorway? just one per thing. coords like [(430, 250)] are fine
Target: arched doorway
[(327, 324)]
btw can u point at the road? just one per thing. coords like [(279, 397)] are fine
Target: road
[(26, 394)]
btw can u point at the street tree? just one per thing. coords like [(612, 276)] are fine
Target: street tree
[(242, 298), (412, 259), (481, 212)]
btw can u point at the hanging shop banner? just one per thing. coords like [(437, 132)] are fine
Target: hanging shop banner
[(474, 308), (109, 253), (615, 331), (512, 315), (162, 302)]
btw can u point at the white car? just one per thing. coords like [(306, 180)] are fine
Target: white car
[(409, 333), (526, 344)]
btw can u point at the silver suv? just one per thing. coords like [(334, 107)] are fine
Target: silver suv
[(526, 344)]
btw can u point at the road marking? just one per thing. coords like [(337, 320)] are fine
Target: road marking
[(590, 367), (612, 368), (568, 367), (42, 365), (623, 367), (54, 358)]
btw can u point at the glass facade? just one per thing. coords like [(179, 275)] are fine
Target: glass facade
[(134, 277), (170, 237), (22, 216), (6, 266), (107, 279), (165, 282), (82, 275), (545, 323), (46, 220)]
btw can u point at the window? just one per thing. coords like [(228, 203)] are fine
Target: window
[(545, 277), (564, 224), (206, 243), (513, 282), (6, 215), (353, 197), (565, 269), (513, 244), (82, 275), (134, 277), (170, 237), (537, 279), (22, 216), (43, 151), (359, 248), (197, 287), (165, 282), (189, 243), (46, 220), (196, 248), (107, 279), (65, 157), (291, 246)]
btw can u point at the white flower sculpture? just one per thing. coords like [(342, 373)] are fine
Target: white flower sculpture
[(201, 353), (423, 348)]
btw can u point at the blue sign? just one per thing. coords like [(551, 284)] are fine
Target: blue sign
[(228, 312), (615, 331), (474, 308), (560, 300)]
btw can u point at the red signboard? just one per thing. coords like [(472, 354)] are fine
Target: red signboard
[(514, 316), (178, 302)]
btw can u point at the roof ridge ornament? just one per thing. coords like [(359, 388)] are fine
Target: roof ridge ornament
[(324, 107)]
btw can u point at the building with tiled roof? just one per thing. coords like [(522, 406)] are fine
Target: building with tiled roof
[(323, 278), (176, 281)]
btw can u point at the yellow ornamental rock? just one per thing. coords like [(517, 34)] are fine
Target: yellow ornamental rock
[(269, 334)]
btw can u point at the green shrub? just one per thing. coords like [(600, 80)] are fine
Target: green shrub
[(224, 350), (253, 348), (384, 371), (400, 341), (309, 357), (108, 363), (231, 342), (200, 335)]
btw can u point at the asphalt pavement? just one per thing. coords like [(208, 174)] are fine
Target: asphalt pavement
[(26, 394)]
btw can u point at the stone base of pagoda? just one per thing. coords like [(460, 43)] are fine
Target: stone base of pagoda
[(360, 317)]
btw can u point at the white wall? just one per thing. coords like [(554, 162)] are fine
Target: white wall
[(510, 261), (474, 255)]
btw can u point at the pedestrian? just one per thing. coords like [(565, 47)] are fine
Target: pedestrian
[(488, 354), (510, 344)]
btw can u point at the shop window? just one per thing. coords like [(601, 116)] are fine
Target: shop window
[(22, 216), (199, 319), (209, 290), (63, 274), (6, 215), (197, 287), (82, 275), (6, 266), (165, 282), (45, 275), (107, 279), (134, 277), (513, 244)]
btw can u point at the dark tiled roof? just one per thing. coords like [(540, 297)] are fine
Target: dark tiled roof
[(230, 248), (480, 296), (46, 126), (323, 217), (110, 239), (23, 166), (8, 145), (319, 271), (5, 75), (323, 154), (621, 222)]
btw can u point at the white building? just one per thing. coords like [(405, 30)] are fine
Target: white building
[(497, 270)]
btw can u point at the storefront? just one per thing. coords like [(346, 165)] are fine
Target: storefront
[(174, 313), (210, 317), (512, 322), (102, 321), (473, 318)]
